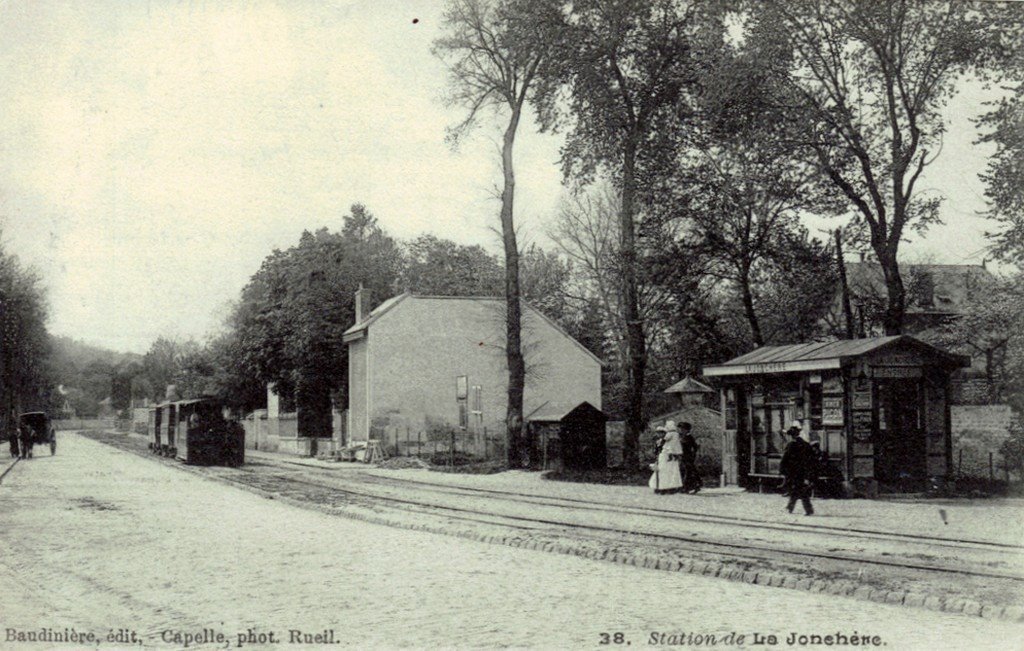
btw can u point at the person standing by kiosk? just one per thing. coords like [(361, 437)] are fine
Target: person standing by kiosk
[(691, 477), (666, 477)]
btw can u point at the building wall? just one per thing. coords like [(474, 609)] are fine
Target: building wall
[(357, 395), (419, 348), (255, 426), (968, 390), (977, 431)]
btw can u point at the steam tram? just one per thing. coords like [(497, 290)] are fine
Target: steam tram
[(196, 432)]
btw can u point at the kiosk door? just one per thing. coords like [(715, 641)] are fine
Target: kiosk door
[(900, 454)]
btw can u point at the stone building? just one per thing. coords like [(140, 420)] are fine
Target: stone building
[(415, 361), (935, 294)]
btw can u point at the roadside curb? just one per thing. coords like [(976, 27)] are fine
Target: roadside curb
[(8, 469), (664, 561)]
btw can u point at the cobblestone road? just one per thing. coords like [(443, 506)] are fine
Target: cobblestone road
[(97, 539)]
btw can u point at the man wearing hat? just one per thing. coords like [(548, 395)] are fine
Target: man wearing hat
[(799, 467)]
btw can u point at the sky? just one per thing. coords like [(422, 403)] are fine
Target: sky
[(153, 153)]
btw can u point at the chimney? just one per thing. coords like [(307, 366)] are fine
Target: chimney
[(984, 261), (362, 303), (862, 256)]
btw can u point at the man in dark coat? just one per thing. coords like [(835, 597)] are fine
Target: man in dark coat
[(799, 467), (688, 463)]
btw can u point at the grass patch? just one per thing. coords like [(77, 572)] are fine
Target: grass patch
[(612, 476)]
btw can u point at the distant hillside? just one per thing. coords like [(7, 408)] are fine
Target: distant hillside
[(86, 372), (82, 354)]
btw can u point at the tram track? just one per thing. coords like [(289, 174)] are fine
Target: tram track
[(9, 468), (692, 542), (329, 489), (690, 516)]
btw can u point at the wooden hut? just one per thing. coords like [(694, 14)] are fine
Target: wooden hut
[(573, 438)]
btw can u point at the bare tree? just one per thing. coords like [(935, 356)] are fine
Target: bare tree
[(494, 56), (867, 79), (587, 232)]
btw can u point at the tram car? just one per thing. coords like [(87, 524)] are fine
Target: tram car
[(196, 432)]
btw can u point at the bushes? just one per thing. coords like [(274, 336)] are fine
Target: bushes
[(709, 464), (445, 457)]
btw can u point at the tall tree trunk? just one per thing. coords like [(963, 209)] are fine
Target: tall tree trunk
[(896, 294), (636, 351), (517, 451), (844, 286), (990, 376), (748, 307)]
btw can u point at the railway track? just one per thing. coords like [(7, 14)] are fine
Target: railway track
[(324, 486), (692, 542), (690, 516)]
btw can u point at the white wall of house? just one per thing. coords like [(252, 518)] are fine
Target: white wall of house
[(413, 354), (358, 391)]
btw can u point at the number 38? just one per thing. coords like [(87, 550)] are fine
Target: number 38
[(613, 638)]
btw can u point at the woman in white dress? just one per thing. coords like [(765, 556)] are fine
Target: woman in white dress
[(666, 477)]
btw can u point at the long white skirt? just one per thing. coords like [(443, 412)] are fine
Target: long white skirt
[(666, 475)]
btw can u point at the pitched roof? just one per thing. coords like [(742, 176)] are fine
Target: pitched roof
[(375, 313), (689, 385), (182, 403), (359, 329), (549, 413), (818, 356)]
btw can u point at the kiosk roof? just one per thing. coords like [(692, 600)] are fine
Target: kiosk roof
[(816, 356)]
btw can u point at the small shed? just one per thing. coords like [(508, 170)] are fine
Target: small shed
[(878, 409), (569, 438)]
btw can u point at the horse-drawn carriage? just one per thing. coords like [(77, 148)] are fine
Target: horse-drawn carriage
[(34, 428)]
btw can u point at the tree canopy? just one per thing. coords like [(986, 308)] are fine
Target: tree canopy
[(292, 314), (25, 374), (626, 76)]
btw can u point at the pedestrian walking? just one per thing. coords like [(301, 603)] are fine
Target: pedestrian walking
[(666, 477), (688, 461), (12, 436), (799, 467)]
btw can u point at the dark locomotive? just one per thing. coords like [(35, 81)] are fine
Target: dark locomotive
[(196, 432)]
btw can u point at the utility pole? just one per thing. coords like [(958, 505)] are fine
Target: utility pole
[(841, 264)]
